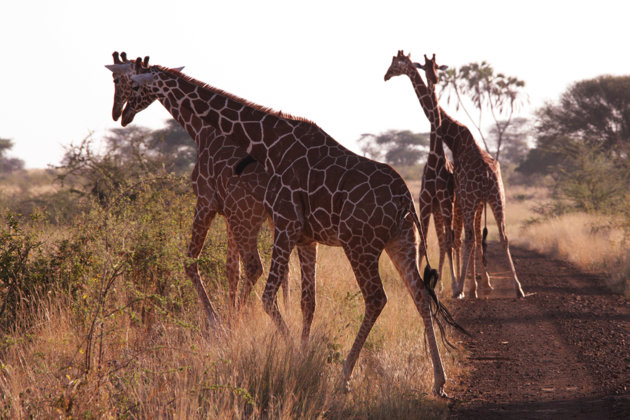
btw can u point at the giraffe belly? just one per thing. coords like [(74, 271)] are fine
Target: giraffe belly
[(319, 227)]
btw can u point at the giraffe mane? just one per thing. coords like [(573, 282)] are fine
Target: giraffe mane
[(233, 97)]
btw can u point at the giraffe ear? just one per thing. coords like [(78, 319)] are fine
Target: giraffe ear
[(443, 67), (179, 68), (418, 65), (142, 79), (119, 68)]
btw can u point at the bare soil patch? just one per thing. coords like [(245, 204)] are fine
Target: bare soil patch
[(561, 353)]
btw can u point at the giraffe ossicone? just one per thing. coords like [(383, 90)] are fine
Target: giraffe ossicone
[(318, 191)]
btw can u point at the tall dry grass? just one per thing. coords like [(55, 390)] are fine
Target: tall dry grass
[(136, 345), (594, 242), (70, 360)]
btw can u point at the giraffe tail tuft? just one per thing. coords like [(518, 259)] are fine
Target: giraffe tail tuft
[(439, 311), (430, 277)]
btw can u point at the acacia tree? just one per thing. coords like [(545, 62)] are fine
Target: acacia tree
[(516, 140), (496, 93)]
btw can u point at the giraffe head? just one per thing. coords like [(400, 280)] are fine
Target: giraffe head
[(122, 70), (401, 64), (142, 93), (430, 68)]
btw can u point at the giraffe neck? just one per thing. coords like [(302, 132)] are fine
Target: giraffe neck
[(425, 97), (436, 147), (428, 101), (448, 130), (272, 138), (192, 124)]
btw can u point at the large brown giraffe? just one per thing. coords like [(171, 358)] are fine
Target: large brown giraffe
[(220, 191), (318, 191), (437, 194), (477, 182)]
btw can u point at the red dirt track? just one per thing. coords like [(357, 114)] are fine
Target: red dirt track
[(562, 353)]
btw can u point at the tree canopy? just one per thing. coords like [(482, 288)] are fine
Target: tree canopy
[(8, 164), (583, 142), (496, 93), (396, 147), (131, 154)]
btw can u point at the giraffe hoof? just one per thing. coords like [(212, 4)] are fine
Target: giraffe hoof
[(487, 288), (344, 386), (458, 295), (471, 294), (520, 294), (440, 393)]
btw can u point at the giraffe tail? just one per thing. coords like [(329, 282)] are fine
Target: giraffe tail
[(439, 311), (484, 237)]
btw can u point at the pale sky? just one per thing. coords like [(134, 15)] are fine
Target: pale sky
[(322, 60)]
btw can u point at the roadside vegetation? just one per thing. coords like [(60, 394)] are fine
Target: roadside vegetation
[(98, 319)]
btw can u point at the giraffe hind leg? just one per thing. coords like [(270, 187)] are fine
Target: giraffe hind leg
[(497, 209), (308, 259), (403, 260)]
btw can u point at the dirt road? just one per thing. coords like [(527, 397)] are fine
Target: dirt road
[(562, 353)]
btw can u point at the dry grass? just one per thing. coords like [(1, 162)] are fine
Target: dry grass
[(168, 365), (163, 367), (593, 242)]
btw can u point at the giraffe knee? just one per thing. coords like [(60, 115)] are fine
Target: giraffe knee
[(269, 303), (377, 302), (253, 268), (308, 305)]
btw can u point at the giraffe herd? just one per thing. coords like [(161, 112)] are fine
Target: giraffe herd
[(254, 163)]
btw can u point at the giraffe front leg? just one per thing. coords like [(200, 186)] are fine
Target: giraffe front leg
[(458, 225), (201, 224), (469, 242), (243, 229), (283, 243), (285, 290), (308, 260), (442, 227), (472, 290), (425, 217), (232, 266), (483, 270)]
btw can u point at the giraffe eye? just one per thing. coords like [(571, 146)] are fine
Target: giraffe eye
[(116, 81)]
